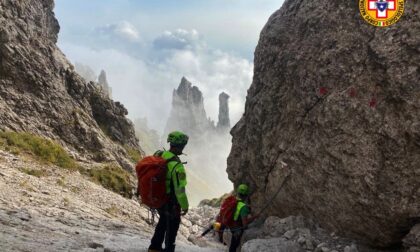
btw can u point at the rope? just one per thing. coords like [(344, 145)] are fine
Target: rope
[(267, 204)]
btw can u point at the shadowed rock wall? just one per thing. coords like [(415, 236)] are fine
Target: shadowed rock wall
[(338, 101), (41, 93)]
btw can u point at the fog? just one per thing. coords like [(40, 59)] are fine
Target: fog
[(145, 88), (145, 50), (206, 167), (144, 83)]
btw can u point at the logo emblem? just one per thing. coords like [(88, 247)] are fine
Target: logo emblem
[(381, 13)]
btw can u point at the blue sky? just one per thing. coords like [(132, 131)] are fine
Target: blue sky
[(147, 46)]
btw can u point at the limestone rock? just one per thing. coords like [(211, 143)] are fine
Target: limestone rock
[(76, 214), (412, 240), (224, 120), (275, 226), (207, 147), (305, 233), (188, 113), (338, 101), (271, 245), (103, 83), (41, 93)]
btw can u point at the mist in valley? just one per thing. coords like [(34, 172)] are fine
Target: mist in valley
[(144, 62)]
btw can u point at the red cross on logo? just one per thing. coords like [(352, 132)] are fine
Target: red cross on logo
[(373, 6)]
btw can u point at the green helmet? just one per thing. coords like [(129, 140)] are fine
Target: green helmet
[(177, 138), (243, 189)]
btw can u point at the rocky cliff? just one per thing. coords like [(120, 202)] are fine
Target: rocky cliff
[(224, 121), (188, 113), (208, 146), (335, 104), (103, 82), (41, 93)]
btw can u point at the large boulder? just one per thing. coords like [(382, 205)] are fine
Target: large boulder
[(41, 93), (334, 104), (412, 240), (271, 245)]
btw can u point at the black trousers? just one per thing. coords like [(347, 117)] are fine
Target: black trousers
[(167, 228), (236, 240)]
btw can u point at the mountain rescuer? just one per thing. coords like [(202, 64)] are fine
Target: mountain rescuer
[(234, 215), (241, 216), (177, 203)]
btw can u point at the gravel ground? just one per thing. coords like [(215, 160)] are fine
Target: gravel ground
[(63, 211)]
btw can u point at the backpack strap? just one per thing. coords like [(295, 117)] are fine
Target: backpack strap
[(175, 158), (239, 205), (158, 153)]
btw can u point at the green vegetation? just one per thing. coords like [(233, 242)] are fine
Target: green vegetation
[(104, 129), (46, 150), (66, 201), (61, 182), (26, 185), (133, 153), (113, 210), (112, 178), (74, 189), (32, 172)]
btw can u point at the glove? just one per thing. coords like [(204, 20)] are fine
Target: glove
[(184, 212)]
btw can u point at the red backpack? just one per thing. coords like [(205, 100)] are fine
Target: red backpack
[(227, 212), (151, 174)]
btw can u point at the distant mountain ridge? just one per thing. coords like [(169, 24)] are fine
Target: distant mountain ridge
[(189, 115)]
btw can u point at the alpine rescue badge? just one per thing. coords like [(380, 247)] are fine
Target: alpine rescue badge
[(381, 13)]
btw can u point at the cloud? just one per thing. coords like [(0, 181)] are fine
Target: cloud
[(214, 71), (144, 83), (179, 39), (123, 30), (143, 78)]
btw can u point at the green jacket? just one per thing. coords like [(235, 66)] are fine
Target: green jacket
[(176, 173), (242, 210)]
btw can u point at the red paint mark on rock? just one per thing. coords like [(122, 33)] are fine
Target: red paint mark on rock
[(323, 91), (352, 92), (373, 102)]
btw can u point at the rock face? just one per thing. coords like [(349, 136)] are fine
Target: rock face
[(338, 101), (64, 211), (188, 113), (103, 82), (412, 240), (41, 93), (296, 233), (207, 148), (224, 121)]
